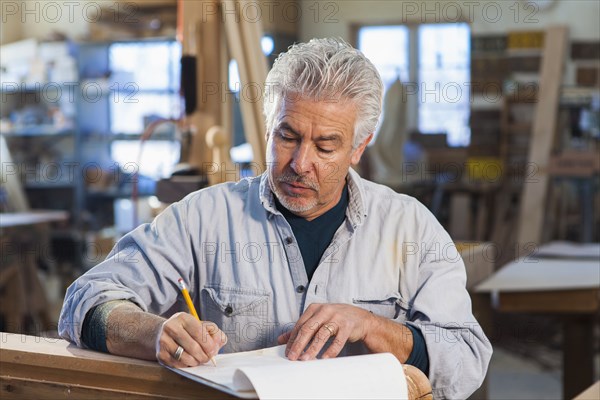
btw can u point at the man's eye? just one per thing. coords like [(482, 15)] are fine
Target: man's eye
[(325, 151)]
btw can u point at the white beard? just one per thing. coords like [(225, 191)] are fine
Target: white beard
[(295, 204)]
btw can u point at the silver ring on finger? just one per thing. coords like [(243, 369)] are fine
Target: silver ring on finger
[(178, 353)]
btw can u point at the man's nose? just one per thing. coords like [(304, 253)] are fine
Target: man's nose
[(303, 160)]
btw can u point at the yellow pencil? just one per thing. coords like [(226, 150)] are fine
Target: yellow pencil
[(188, 300)]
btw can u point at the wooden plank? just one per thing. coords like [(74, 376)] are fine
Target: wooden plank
[(60, 365), (553, 301), (201, 33), (23, 388), (544, 125), (212, 81), (251, 30), (240, 53)]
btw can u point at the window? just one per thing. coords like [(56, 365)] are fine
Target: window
[(144, 84), (434, 61), (374, 43)]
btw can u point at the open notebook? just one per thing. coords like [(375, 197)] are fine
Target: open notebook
[(268, 374)]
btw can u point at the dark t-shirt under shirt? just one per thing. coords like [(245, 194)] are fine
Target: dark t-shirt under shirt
[(314, 236)]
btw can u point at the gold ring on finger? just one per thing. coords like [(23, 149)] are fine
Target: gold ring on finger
[(330, 329)]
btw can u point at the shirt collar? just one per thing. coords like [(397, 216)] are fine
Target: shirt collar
[(266, 195), (355, 212)]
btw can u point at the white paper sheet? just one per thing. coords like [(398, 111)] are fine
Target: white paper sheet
[(221, 376), (268, 374)]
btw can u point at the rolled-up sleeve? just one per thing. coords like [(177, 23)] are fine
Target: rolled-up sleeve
[(143, 267), (459, 352)]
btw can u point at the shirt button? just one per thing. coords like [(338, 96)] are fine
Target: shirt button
[(289, 240), (228, 310), (300, 289)]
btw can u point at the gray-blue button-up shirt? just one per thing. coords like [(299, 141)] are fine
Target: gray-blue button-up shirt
[(246, 274)]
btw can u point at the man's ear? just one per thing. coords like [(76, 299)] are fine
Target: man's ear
[(358, 152)]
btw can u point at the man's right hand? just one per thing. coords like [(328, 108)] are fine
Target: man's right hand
[(131, 332), (200, 341)]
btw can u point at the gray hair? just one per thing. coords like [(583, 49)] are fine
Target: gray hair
[(326, 70)]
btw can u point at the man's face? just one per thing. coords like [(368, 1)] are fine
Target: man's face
[(309, 153)]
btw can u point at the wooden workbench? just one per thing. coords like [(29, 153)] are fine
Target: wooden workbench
[(43, 368), (564, 283), (25, 242)]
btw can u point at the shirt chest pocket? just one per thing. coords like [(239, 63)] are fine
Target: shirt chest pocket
[(242, 313), (391, 306)]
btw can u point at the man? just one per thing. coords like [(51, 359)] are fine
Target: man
[(307, 254)]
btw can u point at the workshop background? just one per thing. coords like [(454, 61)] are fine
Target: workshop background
[(111, 110)]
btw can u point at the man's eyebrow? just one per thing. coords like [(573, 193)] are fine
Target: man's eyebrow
[(286, 127), (331, 137)]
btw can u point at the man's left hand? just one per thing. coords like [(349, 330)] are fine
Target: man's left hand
[(320, 322)]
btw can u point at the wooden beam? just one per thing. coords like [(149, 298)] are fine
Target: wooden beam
[(544, 125), (252, 33), (200, 24), (243, 38)]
